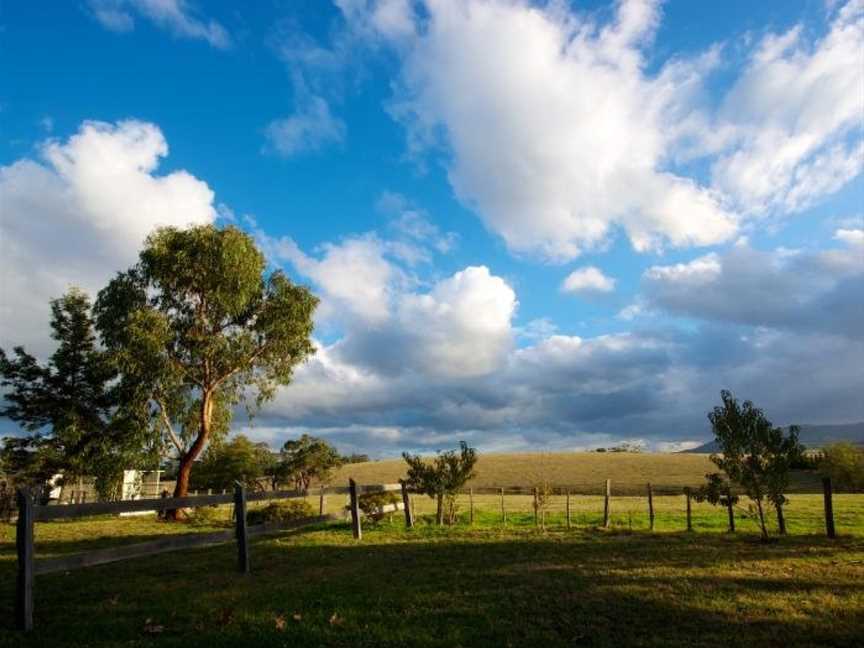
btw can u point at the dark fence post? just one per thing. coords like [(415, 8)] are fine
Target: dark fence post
[(24, 543), (471, 505), (731, 511), (503, 510), (240, 528), (355, 510), (650, 507), (322, 502), (689, 514), (781, 519), (606, 504), (569, 523), (829, 507), (406, 503)]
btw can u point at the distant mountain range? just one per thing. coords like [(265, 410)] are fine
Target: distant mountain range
[(812, 436)]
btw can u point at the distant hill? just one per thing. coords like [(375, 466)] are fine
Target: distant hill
[(812, 436)]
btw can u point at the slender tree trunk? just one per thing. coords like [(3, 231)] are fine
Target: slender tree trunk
[(781, 520), (181, 488), (762, 520), (439, 516)]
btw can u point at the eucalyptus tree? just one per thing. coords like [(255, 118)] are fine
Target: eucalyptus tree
[(200, 325)]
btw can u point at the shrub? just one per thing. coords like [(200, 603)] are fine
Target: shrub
[(281, 512), (372, 503), (844, 464), (209, 516)]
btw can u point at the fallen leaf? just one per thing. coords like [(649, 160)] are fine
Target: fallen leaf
[(335, 619), (297, 616), (152, 628), (280, 622)]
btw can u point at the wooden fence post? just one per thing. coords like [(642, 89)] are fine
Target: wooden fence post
[(24, 544), (503, 510), (240, 528), (650, 507), (689, 514), (406, 503), (731, 511), (355, 510), (536, 506), (322, 502), (829, 507), (569, 523), (606, 504), (471, 505)]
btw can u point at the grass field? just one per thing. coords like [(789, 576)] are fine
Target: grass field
[(585, 472), (486, 585)]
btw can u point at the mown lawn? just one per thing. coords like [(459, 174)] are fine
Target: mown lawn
[(488, 585)]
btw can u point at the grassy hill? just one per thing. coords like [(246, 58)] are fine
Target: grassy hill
[(584, 472)]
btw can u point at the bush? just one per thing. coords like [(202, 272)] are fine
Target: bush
[(372, 503), (281, 512), (844, 464), (209, 516)]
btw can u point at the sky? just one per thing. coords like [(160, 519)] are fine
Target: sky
[(532, 225)]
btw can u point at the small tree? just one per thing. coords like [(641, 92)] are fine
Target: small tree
[(844, 464), (442, 477), (754, 454), (80, 419), (305, 459), (196, 324), (238, 460)]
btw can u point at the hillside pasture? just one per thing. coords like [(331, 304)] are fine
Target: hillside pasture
[(583, 472)]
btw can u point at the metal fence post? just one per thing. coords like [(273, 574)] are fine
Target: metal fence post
[(240, 528), (24, 544)]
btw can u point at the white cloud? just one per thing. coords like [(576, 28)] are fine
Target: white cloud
[(850, 236), (309, 129), (785, 289), (81, 214), (587, 280), (414, 223), (557, 135), (175, 16), (788, 118)]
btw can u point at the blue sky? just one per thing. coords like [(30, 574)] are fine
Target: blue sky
[(533, 226)]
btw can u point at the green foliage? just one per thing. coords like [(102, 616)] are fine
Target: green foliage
[(354, 458), (372, 503), (281, 512), (81, 419), (305, 459), (197, 325), (237, 460), (442, 477), (844, 464), (754, 454)]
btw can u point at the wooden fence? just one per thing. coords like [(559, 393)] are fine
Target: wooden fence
[(29, 513)]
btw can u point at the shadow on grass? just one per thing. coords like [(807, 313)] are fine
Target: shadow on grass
[(465, 588)]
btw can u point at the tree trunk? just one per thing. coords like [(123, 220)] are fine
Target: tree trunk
[(781, 520), (439, 516), (181, 488), (762, 520)]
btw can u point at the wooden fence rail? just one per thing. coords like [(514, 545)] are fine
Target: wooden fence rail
[(30, 513)]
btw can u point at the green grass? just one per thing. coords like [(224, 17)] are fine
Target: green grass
[(487, 585)]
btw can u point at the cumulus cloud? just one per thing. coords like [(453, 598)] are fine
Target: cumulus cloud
[(786, 289), (587, 280), (174, 16), (80, 213), (788, 118)]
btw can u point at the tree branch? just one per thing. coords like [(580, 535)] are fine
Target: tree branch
[(169, 428)]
